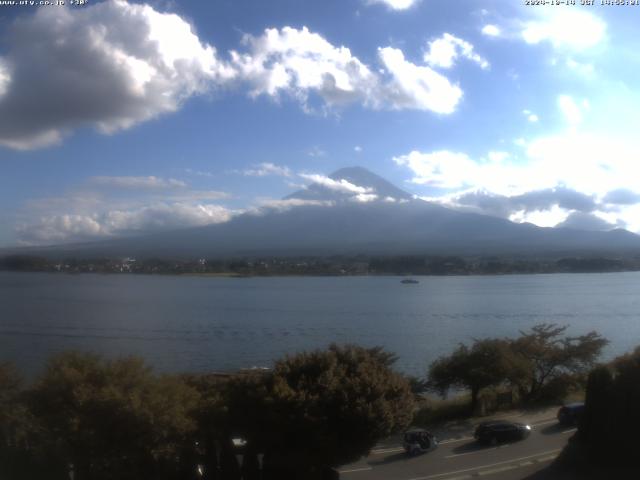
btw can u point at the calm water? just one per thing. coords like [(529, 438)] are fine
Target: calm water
[(198, 323)]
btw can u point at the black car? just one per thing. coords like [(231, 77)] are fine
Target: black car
[(498, 431), (570, 414)]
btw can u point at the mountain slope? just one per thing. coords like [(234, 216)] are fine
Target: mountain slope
[(385, 221)]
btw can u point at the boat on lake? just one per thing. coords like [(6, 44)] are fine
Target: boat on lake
[(409, 280)]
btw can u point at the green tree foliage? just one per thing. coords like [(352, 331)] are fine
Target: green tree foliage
[(113, 419), (327, 408), (540, 363), (549, 355), (418, 385), (485, 363)]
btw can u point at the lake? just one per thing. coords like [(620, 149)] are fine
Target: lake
[(190, 323)]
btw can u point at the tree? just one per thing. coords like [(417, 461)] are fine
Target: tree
[(597, 421), (607, 433), (11, 412), (548, 355), (327, 408), (212, 420), (16, 430), (113, 419), (485, 363)]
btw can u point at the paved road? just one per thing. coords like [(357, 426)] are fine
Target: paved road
[(463, 458)]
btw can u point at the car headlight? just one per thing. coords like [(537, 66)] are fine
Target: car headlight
[(528, 427)]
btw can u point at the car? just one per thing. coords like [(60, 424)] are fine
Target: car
[(570, 414), (419, 440), (498, 431)]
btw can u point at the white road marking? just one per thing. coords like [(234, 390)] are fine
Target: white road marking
[(481, 467), (570, 430), (353, 470)]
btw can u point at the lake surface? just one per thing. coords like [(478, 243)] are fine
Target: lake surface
[(181, 323)]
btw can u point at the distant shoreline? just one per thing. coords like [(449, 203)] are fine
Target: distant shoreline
[(335, 266), (318, 275)]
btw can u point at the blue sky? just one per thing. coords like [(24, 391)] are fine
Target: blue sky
[(120, 118)]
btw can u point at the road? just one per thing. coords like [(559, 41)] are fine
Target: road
[(463, 458)]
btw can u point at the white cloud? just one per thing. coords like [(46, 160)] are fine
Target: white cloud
[(357, 149), (191, 195), (266, 169), (443, 52), (340, 185), (395, 4), (416, 86), (532, 202), (586, 162), (570, 28), (298, 61), (109, 66), (630, 217), (138, 183), (5, 77), (497, 156), (532, 117), (265, 205), (365, 197), (570, 109), (77, 227), (443, 169), (316, 152), (585, 69), (113, 65), (199, 173), (542, 218), (491, 30), (103, 207)]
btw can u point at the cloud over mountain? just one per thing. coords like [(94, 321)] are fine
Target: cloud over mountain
[(482, 201), (311, 222), (114, 223)]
